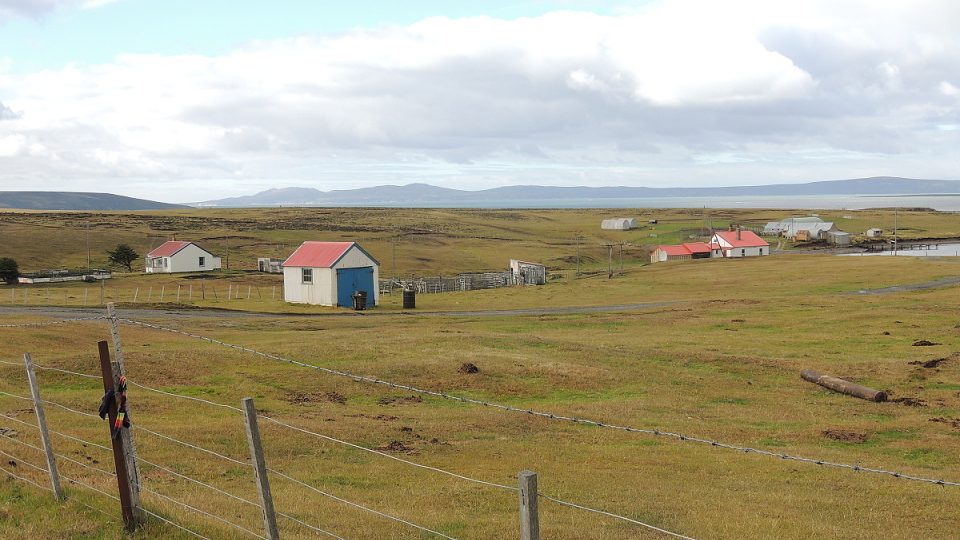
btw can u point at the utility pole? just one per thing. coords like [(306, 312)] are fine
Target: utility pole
[(578, 253), (895, 218), (88, 246), (609, 261), (621, 258)]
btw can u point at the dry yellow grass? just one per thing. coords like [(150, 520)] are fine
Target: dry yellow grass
[(722, 364)]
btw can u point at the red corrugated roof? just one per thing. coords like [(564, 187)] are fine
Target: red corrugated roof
[(317, 254), (696, 247), (168, 248), (747, 239), (674, 251)]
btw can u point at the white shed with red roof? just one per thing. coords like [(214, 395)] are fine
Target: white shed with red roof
[(329, 273), (180, 256), (740, 243)]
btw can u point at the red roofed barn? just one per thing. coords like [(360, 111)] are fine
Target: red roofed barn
[(328, 273), (691, 250), (180, 256)]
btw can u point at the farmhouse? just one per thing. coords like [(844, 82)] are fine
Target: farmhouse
[(690, 250), (329, 273), (619, 224), (180, 256), (740, 243)]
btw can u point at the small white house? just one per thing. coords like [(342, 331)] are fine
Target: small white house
[(180, 256), (874, 233), (619, 224), (740, 243), (329, 273)]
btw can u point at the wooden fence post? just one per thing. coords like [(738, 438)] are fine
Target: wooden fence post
[(123, 480), (126, 435), (178, 293), (529, 515), (260, 468), (42, 424)]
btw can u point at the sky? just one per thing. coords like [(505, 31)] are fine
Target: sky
[(184, 101)]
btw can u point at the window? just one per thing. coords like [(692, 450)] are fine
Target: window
[(202, 260), (743, 253), (308, 275)]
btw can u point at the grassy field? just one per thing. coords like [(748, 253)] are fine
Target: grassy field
[(721, 363)]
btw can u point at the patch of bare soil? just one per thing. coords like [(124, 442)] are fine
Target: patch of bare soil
[(7, 432), (383, 417), (396, 446), (403, 399), (929, 363), (924, 343), (909, 401), (952, 422), (303, 399), (845, 436), (469, 367)]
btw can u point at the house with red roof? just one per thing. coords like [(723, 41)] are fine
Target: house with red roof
[(180, 256), (329, 273), (740, 243), (689, 250)]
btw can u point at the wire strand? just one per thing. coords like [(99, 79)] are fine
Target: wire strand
[(548, 415), (616, 516), (359, 506), (51, 323), (202, 512)]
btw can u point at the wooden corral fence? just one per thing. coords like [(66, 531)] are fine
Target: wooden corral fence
[(460, 282), (176, 293)]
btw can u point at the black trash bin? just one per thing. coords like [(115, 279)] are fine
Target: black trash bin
[(359, 300), (409, 298)]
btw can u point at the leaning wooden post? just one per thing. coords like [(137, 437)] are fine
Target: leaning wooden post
[(529, 515), (123, 479), (129, 446), (260, 469), (42, 424)]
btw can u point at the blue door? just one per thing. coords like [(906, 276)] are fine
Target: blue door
[(350, 280)]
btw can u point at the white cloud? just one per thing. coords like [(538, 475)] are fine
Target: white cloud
[(565, 97)]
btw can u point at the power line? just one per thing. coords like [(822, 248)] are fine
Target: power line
[(552, 416)]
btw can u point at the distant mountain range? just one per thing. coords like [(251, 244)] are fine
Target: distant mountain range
[(67, 200), (426, 195), (412, 195)]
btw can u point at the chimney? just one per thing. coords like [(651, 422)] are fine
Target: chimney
[(738, 233)]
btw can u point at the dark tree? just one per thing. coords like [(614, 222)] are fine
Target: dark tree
[(9, 271), (123, 255)]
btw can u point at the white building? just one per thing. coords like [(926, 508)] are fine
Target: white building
[(874, 233), (619, 224), (740, 243), (180, 256), (528, 273), (329, 273), (814, 227)]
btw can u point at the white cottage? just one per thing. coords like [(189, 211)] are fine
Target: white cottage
[(328, 273), (180, 256), (740, 243)]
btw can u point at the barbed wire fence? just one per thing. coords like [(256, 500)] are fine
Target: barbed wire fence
[(243, 526), (174, 293), (239, 527)]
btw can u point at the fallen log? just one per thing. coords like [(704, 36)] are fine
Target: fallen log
[(842, 386)]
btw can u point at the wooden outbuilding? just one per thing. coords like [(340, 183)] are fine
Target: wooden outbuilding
[(329, 274)]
